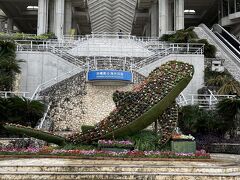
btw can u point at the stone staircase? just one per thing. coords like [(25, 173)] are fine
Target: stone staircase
[(66, 56), (112, 169)]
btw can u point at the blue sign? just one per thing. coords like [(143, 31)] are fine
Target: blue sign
[(109, 75)]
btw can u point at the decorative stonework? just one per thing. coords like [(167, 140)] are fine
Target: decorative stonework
[(66, 102), (99, 103)]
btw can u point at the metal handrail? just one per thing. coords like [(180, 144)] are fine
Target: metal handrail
[(44, 117), (172, 49), (204, 100), (219, 43), (6, 94), (152, 58), (55, 80)]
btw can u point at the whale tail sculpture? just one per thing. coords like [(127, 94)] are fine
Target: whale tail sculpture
[(152, 100)]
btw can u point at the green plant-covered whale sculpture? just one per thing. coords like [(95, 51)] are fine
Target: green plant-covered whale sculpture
[(150, 101), (139, 108)]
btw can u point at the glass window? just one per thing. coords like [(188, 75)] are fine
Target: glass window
[(238, 5), (231, 6), (225, 8)]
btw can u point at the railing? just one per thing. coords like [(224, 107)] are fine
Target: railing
[(171, 49), (186, 48), (208, 101), (93, 48), (151, 59), (24, 45), (223, 48), (7, 94), (40, 126), (181, 100), (117, 63), (70, 58), (55, 80)]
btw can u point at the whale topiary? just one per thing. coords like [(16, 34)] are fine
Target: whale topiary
[(152, 100), (138, 109)]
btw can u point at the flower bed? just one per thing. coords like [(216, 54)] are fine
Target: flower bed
[(115, 144), (98, 153)]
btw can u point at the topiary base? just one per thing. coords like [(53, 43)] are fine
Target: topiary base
[(183, 146)]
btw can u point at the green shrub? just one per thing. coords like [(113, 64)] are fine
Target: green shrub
[(85, 128), (145, 140), (229, 110), (209, 74), (19, 111), (209, 49), (22, 36), (181, 36), (193, 120), (38, 134)]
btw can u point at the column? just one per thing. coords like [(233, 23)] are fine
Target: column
[(163, 7), (75, 27), (179, 14), (51, 16), (171, 15), (42, 17), (68, 17), (9, 25), (148, 30), (154, 20), (59, 18)]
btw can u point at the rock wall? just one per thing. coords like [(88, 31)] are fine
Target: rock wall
[(99, 103), (76, 102), (66, 102)]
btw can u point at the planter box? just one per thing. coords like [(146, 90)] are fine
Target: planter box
[(183, 146)]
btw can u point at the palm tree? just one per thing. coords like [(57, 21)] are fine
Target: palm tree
[(29, 111), (218, 81), (229, 109), (9, 66), (224, 84), (231, 87)]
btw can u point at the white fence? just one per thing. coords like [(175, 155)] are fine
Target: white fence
[(7, 94), (207, 101)]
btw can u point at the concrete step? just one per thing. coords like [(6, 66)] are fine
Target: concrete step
[(115, 175), (120, 168), (221, 167)]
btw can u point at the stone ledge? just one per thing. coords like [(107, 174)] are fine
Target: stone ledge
[(117, 175), (103, 158), (230, 148)]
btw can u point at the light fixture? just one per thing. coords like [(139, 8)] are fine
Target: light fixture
[(189, 11), (32, 8)]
